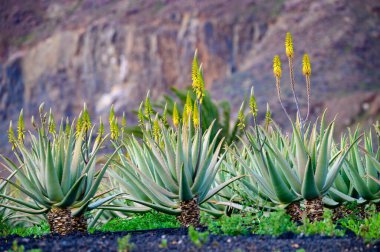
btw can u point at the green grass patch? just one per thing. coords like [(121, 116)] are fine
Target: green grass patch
[(368, 229), (145, 221), (35, 231)]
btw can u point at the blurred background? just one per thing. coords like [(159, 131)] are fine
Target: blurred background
[(103, 52)]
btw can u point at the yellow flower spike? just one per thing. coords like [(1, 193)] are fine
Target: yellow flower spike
[(188, 109), (11, 136), (277, 71), (79, 125), (241, 118), (175, 116), (196, 116), (306, 66), (101, 128), (201, 88), (156, 129), (194, 71), (140, 116), (164, 117), (148, 110), (21, 127), (86, 120), (289, 45), (197, 78), (114, 129), (189, 103), (268, 117), (51, 123), (253, 104), (112, 115)]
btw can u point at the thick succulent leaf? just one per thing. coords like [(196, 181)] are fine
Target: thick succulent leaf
[(283, 192), (205, 171), (184, 187), (38, 198), (70, 197), (22, 202), (294, 181), (301, 154), (126, 209), (24, 181), (359, 183), (25, 210), (218, 188), (95, 185), (329, 202), (53, 187), (323, 158), (160, 208), (309, 188), (102, 201), (332, 173), (341, 195)]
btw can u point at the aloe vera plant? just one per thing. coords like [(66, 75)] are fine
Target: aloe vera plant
[(173, 169), (363, 168), (170, 175), (57, 172), (285, 170)]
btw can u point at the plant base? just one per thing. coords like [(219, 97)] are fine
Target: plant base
[(190, 213), (340, 212), (294, 210), (61, 222), (314, 209)]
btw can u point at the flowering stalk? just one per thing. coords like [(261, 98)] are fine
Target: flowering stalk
[(306, 70), (290, 54), (21, 128), (277, 71)]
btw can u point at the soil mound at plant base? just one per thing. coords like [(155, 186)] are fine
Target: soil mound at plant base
[(178, 240)]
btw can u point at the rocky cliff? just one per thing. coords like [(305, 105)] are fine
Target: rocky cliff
[(104, 52)]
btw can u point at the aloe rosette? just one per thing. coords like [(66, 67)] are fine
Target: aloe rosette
[(58, 172), (174, 174)]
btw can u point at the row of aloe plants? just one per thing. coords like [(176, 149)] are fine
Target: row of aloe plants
[(180, 167)]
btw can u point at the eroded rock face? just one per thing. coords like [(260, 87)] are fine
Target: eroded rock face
[(111, 52)]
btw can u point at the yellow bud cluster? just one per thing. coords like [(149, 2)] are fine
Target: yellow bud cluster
[(86, 120), (188, 109), (306, 66), (11, 136), (268, 117), (196, 120), (51, 123), (277, 67), (289, 45), (156, 130), (114, 129), (175, 116), (164, 118), (101, 128), (140, 116), (21, 128), (241, 118), (198, 80), (148, 106), (253, 104)]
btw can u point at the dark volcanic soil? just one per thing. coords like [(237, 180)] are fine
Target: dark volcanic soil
[(178, 240)]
